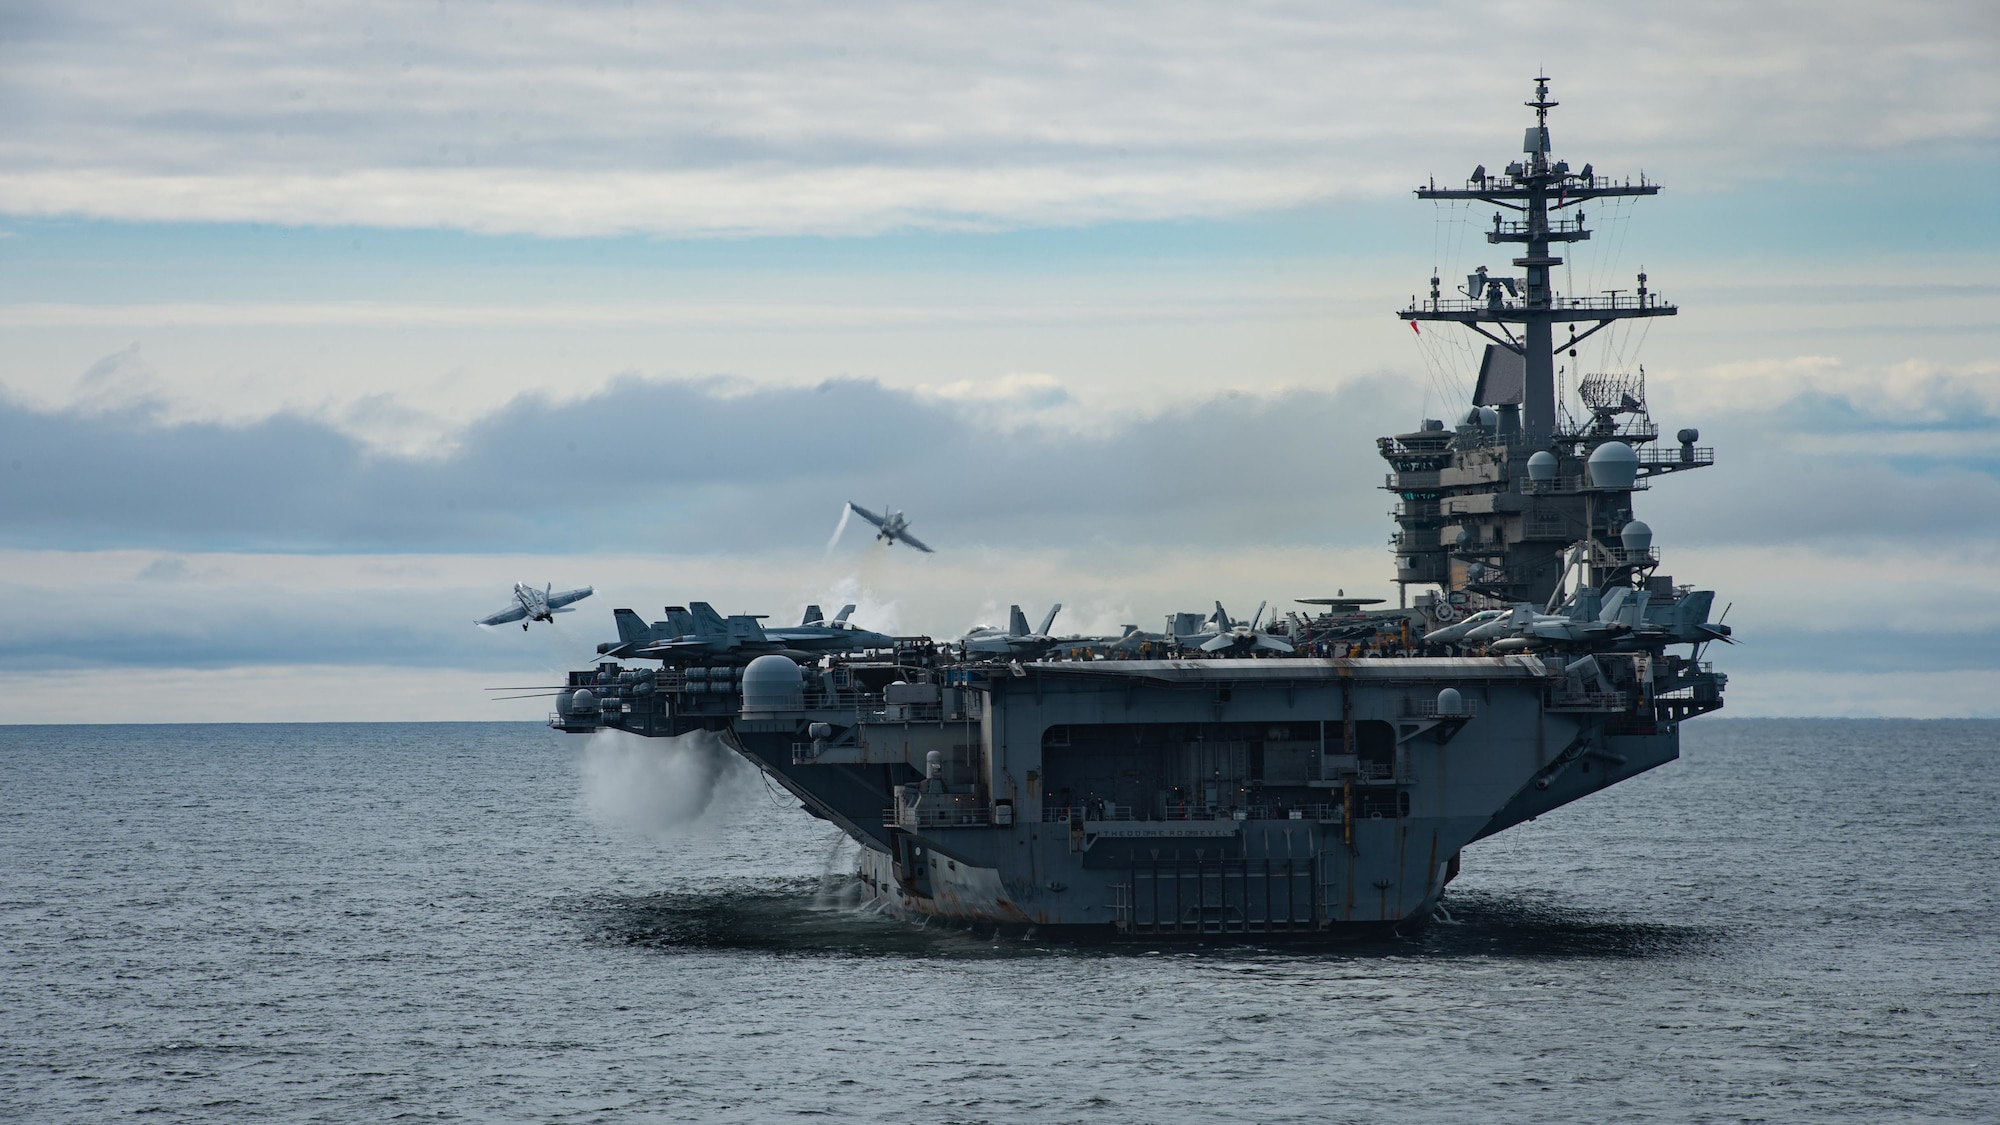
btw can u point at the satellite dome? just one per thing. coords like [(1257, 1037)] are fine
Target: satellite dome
[(1542, 467), (1464, 537), (1476, 571), (583, 701), (1613, 465), (1450, 702), (1636, 537), (773, 683)]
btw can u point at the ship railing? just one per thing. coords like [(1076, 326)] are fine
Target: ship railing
[(1701, 680), (858, 702), (1632, 428), (1320, 811), (1570, 483), (1609, 302), (1396, 482), (1427, 708), (1676, 457), (1434, 443), (1599, 701), (943, 816), (1181, 814), (1060, 814), (901, 713), (1553, 226), (1563, 483), (1633, 558)]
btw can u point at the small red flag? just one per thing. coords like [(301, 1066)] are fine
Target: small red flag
[(1413, 327)]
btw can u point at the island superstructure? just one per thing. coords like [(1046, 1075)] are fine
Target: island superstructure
[(1324, 779), (1480, 514)]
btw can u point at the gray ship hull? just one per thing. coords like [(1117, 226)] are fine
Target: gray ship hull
[(1278, 798)]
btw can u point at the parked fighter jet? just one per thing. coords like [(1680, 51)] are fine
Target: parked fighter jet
[(698, 630), (890, 528), (1455, 633), (1130, 642), (1016, 642), (1236, 636), (1523, 627), (531, 604), (814, 617), (1625, 619), (816, 636)]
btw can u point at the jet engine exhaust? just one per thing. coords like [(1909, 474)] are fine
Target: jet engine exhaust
[(839, 529)]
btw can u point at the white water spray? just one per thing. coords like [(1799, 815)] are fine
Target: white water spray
[(838, 887), (661, 787)]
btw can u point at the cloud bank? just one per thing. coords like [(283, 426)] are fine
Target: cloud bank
[(600, 118), (706, 466), (1812, 451)]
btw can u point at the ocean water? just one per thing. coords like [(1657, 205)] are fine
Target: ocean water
[(1798, 921)]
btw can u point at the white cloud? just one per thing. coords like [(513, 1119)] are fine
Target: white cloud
[(1914, 392), (789, 117)]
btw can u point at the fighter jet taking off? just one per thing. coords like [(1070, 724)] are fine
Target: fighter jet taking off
[(531, 604), (889, 528)]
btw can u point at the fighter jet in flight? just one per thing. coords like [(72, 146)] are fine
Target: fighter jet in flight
[(891, 528), (531, 604)]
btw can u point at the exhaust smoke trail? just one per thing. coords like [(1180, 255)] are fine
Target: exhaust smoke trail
[(839, 529)]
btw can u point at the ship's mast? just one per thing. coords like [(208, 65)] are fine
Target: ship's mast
[(1539, 193), (1494, 510)]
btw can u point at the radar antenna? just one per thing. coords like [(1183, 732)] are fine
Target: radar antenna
[(1539, 190)]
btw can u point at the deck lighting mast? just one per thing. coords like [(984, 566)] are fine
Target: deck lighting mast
[(1539, 192)]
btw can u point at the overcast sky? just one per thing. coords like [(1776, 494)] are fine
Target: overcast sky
[(322, 324)]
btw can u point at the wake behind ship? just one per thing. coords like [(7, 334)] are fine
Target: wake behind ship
[(1315, 778)]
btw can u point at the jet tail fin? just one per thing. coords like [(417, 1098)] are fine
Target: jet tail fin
[(841, 617), (631, 627), (812, 616), (1049, 620), (1017, 622), (681, 623), (708, 623)]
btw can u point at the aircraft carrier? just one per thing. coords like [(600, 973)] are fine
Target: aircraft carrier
[(1318, 777)]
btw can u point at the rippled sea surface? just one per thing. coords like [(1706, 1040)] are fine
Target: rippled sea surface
[(1795, 922)]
